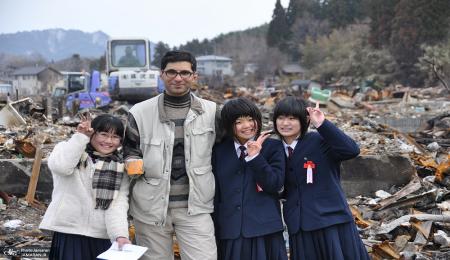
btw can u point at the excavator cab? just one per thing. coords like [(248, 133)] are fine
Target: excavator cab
[(130, 75)]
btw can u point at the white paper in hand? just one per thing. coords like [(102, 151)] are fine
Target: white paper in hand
[(129, 252)]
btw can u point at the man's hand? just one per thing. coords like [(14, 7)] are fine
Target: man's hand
[(316, 116)]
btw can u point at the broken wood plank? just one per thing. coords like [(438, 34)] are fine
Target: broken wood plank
[(411, 201), (359, 220), (412, 141), (385, 250), (30, 197), (407, 137), (411, 187), (388, 227), (440, 141), (443, 168), (401, 242), (423, 228)]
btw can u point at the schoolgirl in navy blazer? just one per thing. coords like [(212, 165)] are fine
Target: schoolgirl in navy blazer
[(319, 221), (321, 203), (240, 208), (249, 171)]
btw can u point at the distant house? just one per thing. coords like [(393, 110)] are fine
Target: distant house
[(293, 70), (212, 65), (35, 80)]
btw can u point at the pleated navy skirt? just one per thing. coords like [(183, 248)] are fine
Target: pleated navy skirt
[(76, 247), (337, 242), (268, 247)]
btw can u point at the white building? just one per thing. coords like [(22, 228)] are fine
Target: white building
[(212, 65), (35, 80)]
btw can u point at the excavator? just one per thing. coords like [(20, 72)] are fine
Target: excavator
[(80, 88), (131, 77)]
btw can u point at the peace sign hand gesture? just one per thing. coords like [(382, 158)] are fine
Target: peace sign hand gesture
[(84, 126), (254, 147), (316, 116)]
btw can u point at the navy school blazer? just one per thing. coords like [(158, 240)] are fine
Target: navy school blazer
[(238, 208), (312, 206)]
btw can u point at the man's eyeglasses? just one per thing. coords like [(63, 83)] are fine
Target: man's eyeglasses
[(184, 74)]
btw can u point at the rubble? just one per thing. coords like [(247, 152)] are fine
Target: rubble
[(398, 189), (20, 226), (10, 117), (13, 224), (441, 238)]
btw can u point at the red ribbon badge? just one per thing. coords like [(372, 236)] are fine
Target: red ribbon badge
[(309, 166)]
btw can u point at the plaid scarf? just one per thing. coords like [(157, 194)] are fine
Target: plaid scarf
[(108, 174)]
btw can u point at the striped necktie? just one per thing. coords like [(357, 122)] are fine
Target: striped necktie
[(290, 152), (243, 154)]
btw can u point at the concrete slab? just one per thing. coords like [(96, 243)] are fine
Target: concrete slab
[(365, 175), (15, 176), (405, 125)]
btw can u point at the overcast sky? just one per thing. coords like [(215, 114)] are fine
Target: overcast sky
[(172, 21)]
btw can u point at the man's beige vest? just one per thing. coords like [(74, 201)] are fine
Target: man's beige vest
[(149, 199)]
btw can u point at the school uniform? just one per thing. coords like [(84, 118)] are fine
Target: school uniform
[(247, 212), (320, 224)]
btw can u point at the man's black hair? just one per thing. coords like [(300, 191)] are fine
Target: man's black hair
[(291, 106), (236, 108), (177, 56)]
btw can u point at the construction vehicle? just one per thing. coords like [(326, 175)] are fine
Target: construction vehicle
[(79, 89), (130, 75)]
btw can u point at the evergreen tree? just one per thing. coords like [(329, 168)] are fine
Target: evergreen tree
[(208, 47), (381, 13), (160, 49), (292, 11), (300, 8), (417, 22), (405, 44), (193, 47), (341, 13), (435, 20), (278, 33), (198, 48), (305, 19)]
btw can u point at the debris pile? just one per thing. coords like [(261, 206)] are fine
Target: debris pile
[(409, 222), (19, 225), (403, 222)]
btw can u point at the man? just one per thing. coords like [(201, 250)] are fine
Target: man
[(173, 134), (128, 60)]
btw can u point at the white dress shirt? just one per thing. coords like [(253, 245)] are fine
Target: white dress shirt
[(238, 151), (292, 145)]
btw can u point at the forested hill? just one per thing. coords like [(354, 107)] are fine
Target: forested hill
[(390, 40), (54, 44)]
